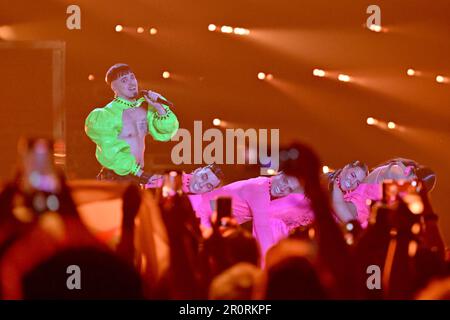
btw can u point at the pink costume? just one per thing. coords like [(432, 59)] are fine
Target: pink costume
[(273, 219), (360, 196), (195, 199), (370, 191)]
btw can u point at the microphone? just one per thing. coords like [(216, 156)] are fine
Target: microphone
[(158, 99)]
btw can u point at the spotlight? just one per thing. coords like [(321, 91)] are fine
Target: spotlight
[(226, 29), (325, 169), (241, 31), (391, 125), (269, 76), (371, 121), (217, 122), (411, 72), (344, 78), (270, 171), (261, 76), (166, 74), (7, 33), (375, 28), (91, 77), (212, 27), (119, 28), (140, 30), (319, 73), (440, 79), (153, 31), (238, 31)]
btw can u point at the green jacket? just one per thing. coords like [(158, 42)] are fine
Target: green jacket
[(103, 126)]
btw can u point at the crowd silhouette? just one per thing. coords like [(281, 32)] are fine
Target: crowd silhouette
[(161, 251)]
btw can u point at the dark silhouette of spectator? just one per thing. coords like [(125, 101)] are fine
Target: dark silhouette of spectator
[(184, 279), (406, 245), (228, 246), (333, 252), (290, 273), (102, 276), (40, 199), (236, 283), (131, 203)]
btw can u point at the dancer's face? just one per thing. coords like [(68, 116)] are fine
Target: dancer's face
[(282, 185), (203, 180), (126, 86), (351, 177)]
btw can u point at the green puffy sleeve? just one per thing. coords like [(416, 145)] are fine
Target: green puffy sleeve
[(103, 127), (162, 128)]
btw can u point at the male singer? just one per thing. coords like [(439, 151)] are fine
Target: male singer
[(119, 128)]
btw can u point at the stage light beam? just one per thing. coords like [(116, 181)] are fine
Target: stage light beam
[(371, 121), (319, 73), (153, 31), (261, 76), (212, 27), (238, 31), (391, 125), (166, 75), (411, 72), (217, 122), (344, 78), (226, 29), (375, 28), (140, 30), (440, 79), (241, 31)]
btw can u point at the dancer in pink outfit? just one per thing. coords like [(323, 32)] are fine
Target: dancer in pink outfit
[(276, 205), (394, 169), (201, 180), (349, 203), (361, 199)]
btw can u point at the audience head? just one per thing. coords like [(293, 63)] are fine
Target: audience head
[(235, 283), (239, 246), (290, 272), (301, 161), (293, 278)]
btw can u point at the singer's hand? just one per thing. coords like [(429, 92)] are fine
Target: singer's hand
[(151, 97)]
